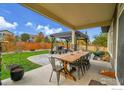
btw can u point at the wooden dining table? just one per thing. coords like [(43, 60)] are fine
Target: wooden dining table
[(70, 58)]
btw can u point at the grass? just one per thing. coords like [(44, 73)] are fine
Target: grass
[(21, 59)]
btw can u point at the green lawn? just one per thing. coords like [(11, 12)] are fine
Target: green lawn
[(20, 59)]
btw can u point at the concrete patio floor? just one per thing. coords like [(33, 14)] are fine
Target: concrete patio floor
[(40, 59), (40, 76)]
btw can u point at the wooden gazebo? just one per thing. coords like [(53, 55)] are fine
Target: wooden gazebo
[(68, 36)]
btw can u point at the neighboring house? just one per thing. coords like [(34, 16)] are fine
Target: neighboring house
[(4, 33)]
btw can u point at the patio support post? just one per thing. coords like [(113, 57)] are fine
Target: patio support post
[(53, 39), (86, 44), (67, 44), (74, 46)]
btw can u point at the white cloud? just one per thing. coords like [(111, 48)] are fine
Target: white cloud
[(39, 27), (7, 25), (29, 24), (47, 30)]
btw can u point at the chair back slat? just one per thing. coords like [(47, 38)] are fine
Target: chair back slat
[(88, 56), (52, 61)]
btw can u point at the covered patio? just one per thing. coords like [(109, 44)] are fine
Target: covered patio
[(75, 17)]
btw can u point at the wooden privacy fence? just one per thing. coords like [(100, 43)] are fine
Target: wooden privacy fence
[(26, 46), (33, 45), (36, 46), (94, 48)]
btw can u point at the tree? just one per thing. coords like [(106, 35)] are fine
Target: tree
[(39, 38), (17, 38), (25, 37), (47, 39), (11, 42), (100, 40), (9, 38), (41, 35)]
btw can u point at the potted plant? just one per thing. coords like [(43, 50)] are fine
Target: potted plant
[(16, 72)]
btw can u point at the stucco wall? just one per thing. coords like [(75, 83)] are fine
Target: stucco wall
[(120, 58), (114, 39)]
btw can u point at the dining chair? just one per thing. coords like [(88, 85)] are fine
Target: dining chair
[(87, 61), (83, 63), (57, 68), (77, 66)]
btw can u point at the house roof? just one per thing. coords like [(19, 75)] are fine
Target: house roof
[(67, 35), (6, 31), (76, 16)]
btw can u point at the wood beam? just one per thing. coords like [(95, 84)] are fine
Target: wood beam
[(103, 23)]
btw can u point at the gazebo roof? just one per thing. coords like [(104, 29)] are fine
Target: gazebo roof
[(67, 35)]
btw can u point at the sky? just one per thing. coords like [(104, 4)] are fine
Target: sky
[(18, 19)]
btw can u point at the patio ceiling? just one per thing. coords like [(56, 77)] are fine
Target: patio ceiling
[(76, 16)]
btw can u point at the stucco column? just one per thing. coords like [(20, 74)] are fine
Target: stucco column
[(73, 44)]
